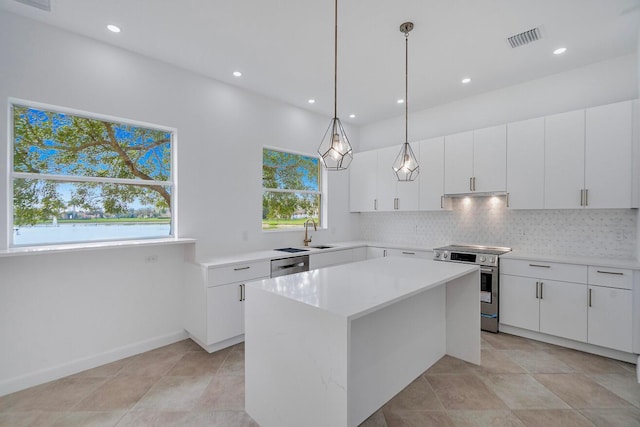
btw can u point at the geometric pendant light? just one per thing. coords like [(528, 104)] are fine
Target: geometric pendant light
[(406, 165), (335, 150)]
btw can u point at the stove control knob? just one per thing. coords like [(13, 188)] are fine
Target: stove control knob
[(437, 254), (483, 259), (445, 255)]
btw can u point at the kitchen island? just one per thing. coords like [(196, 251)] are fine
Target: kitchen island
[(328, 347)]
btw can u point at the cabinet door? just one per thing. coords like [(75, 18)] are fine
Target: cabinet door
[(564, 160), (225, 316), (363, 181), (458, 163), (376, 252), (490, 159), (608, 155), (518, 302), (563, 309), (431, 176), (387, 179), (610, 319), (525, 164)]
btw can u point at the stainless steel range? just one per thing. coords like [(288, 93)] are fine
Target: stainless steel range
[(488, 259)]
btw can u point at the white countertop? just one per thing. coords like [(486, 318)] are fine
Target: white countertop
[(564, 259), (355, 289)]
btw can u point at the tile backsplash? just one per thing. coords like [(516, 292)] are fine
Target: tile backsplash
[(487, 221)]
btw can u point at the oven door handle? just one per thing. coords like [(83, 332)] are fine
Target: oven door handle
[(487, 269)]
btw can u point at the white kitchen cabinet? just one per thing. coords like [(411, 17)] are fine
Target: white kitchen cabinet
[(610, 318), (213, 310), (608, 156), (563, 309), (525, 164), (431, 178), (519, 302), (490, 159), (373, 252), (458, 163), (589, 158), (476, 161), (225, 312), (363, 176), (410, 253), (394, 195), (564, 160), (336, 257)]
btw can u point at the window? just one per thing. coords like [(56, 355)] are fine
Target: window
[(291, 190), (80, 178)]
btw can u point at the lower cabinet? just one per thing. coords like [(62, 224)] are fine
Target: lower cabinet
[(375, 252), (598, 310), (225, 312)]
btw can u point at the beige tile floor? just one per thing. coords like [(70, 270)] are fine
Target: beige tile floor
[(520, 383)]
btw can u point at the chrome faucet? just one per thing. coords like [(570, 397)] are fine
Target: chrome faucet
[(307, 239)]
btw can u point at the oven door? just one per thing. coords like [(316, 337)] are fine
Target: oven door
[(489, 298)]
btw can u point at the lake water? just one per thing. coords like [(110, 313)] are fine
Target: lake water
[(69, 233)]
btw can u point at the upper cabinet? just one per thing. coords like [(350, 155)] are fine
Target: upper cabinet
[(476, 161), (363, 176), (608, 156), (589, 158), (431, 176), (525, 164)]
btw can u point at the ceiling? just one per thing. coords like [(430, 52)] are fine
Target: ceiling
[(285, 47)]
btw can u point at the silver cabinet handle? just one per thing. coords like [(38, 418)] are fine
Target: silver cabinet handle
[(470, 183), (537, 284), (507, 200), (241, 292), (582, 197), (375, 204), (242, 268), (408, 253), (541, 284), (539, 265), (586, 197), (474, 183), (617, 273), (441, 202), (384, 252), (395, 203), (590, 296)]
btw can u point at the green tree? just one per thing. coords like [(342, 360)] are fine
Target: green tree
[(287, 171), (47, 142)]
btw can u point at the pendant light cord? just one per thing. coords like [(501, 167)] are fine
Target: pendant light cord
[(335, 64), (406, 88)]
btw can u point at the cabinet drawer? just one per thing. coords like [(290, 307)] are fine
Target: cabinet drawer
[(410, 253), (545, 270), (238, 272), (612, 277), (326, 259)]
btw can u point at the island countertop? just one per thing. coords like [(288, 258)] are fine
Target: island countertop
[(356, 289)]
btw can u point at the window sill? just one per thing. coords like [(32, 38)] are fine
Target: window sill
[(298, 230), (75, 247)]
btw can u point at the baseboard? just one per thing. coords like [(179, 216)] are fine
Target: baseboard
[(31, 379), (576, 345), (219, 345)]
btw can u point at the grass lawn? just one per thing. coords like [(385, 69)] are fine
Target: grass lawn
[(115, 220), (273, 224)]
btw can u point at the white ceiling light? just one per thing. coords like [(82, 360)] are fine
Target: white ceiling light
[(352, 116), (560, 51), (113, 28), (311, 101), (400, 101), (466, 80), (237, 74)]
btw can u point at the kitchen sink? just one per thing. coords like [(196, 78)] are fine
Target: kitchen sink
[(320, 247), (291, 250)]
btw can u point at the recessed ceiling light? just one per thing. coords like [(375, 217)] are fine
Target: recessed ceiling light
[(237, 74), (400, 101), (560, 51), (466, 80), (311, 101), (352, 116), (113, 28)]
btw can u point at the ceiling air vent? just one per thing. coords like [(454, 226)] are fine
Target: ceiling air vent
[(526, 37), (40, 4)]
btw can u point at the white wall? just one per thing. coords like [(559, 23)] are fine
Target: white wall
[(597, 84), (63, 312)]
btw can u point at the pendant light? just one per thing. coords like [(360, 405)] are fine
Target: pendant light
[(406, 164), (335, 150)]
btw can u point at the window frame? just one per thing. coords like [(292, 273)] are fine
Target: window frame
[(11, 174), (322, 189)]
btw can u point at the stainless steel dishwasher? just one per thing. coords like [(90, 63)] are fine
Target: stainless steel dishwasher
[(291, 265)]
